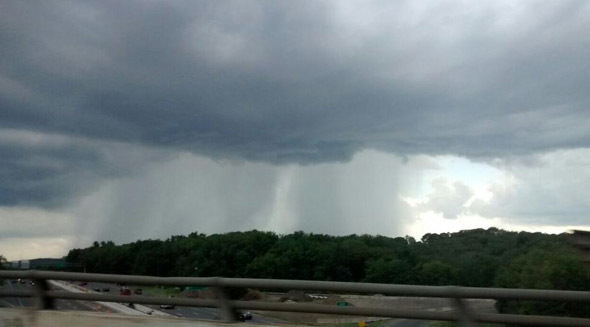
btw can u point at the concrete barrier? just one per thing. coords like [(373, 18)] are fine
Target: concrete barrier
[(12, 317)]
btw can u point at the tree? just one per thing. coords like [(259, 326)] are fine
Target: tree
[(477, 269), (3, 262), (3, 265), (437, 273), (549, 266), (394, 271), (470, 257)]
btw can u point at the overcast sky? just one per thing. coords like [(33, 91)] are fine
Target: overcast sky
[(146, 119)]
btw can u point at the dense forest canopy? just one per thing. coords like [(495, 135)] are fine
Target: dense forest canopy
[(478, 257)]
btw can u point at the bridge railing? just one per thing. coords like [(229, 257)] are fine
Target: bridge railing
[(44, 297)]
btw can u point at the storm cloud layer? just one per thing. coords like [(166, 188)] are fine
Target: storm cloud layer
[(287, 82), (95, 91)]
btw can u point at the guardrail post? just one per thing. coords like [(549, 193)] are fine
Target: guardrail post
[(42, 301), (227, 311), (464, 316)]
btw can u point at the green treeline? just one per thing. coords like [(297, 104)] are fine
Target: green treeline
[(485, 258)]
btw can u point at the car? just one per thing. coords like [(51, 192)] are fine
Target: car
[(137, 291), (97, 289), (83, 283), (167, 306), (106, 289), (243, 316), (125, 291)]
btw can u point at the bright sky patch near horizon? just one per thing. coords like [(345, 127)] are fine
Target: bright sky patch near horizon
[(135, 120)]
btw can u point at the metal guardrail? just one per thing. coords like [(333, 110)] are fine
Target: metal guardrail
[(44, 297)]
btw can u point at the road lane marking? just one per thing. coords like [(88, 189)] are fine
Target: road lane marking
[(18, 298)]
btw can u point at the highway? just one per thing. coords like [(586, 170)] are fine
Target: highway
[(15, 302), (72, 305), (407, 323), (181, 312), (190, 312)]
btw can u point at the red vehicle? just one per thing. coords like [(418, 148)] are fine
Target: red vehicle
[(125, 291)]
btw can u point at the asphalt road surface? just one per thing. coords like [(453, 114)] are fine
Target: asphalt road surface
[(18, 301), (213, 314), (59, 304), (181, 312), (407, 323), (75, 305)]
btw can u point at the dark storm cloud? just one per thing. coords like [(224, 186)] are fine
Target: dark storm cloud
[(289, 82), (41, 176), (49, 170)]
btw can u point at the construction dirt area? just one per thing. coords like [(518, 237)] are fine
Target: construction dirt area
[(370, 301)]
